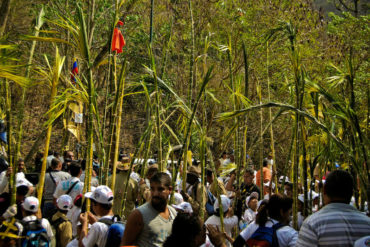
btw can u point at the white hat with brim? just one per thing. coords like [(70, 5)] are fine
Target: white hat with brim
[(64, 202), (102, 194), (31, 204), (225, 203), (184, 207)]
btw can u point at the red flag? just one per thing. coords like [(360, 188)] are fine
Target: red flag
[(118, 42), (74, 71)]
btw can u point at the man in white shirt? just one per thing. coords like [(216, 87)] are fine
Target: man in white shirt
[(4, 178), (72, 186), (30, 207), (101, 201)]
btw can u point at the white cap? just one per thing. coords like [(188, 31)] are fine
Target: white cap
[(31, 204), (282, 180), (178, 198), (268, 185), (22, 182), (252, 195), (225, 203), (362, 242), (102, 194), (314, 196), (64, 202), (185, 207)]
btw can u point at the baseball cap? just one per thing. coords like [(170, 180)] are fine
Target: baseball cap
[(268, 185), (178, 198), (362, 242), (185, 207), (252, 195), (64, 202), (31, 204), (102, 194), (225, 203)]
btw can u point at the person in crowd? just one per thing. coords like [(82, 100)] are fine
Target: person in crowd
[(62, 226), (267, 189), (187, 231), (68, 157), (337, 223), (194, 189), (72, 186), (144, 184), (73, 214), (251, 212), (119, 188), (94, 181), (101, 201), (49, 158), (30, 207), (22, 191), (288, 189), (266, 173), (4, 178), (230, 220), (151, 223), (214, 182), (276, 211), (52, 179), (245, 190)]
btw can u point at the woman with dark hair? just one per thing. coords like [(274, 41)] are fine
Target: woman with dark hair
[(187, 231), (276, 211)]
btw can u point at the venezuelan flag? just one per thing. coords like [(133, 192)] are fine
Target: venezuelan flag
[(74, 71)]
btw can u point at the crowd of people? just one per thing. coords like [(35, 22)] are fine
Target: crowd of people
[(149, 207)]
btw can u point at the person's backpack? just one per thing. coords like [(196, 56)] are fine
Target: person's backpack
[(209, 205), (34, 234), (264, 237), (115, 231), (55, 227)]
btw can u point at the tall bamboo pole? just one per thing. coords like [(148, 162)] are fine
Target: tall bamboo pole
[(272, 143), (119, 117), (59, 61), (12, 180), (191, 69), (91, 91)]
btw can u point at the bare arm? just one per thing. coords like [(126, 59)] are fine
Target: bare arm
[(229, 185), (134, 226)]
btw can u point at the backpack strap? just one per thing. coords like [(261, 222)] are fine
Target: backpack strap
[(52, 178), (57, 222), (108, 221), (275, 227), (71, 188)]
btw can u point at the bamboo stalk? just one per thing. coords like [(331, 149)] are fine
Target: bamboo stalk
[(12, 180), (191, 69), (272, 143), (119, 117), (58, 65), (90, 132)]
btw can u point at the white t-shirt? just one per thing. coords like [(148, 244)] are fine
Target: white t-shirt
[(286, 235), (73, 243), (4, 181), (64, 186), (73, 215), (229, 223), (249, 216), (94, 180), (97, 234), (44, 223)]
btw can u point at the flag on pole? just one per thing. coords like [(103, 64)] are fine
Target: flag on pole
[(74, 71), (118, 42)]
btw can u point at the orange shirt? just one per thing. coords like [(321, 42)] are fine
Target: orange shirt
[(266, 176)]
